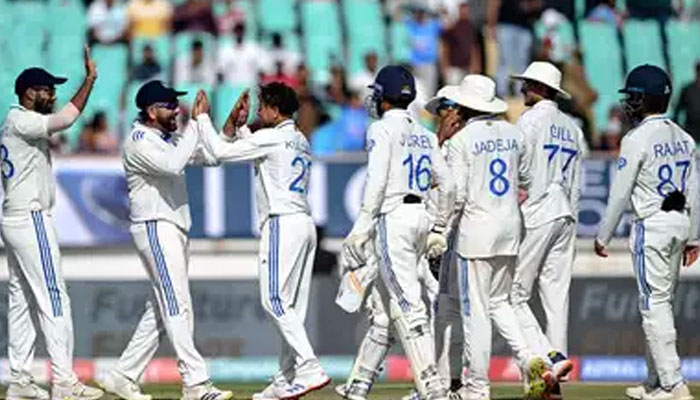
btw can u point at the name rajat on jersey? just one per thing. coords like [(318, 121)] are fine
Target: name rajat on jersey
[(666, 149)]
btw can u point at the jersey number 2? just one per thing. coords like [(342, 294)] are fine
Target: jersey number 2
[(299, 183), (8, 169)]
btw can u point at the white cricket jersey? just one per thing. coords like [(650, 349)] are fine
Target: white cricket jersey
[(655, 159), (490, 162), (404, 158), (557, 146), (282, 161), (27, 177), (155, 163)]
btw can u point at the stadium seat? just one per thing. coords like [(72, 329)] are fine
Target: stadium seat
[(72, 16), (277, 15), (366, 32), (161, 48), (683, 52), (602, 58), (643, 43), (112, 62), (400, 48), (225, 97), (322, 37), (25, 35)]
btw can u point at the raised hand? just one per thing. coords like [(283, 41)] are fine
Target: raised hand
[(201, 104), (90, 66), (238, 115), (450, 124)]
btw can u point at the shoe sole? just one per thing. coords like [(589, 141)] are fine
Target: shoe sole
[(307, 391), (563, 374)]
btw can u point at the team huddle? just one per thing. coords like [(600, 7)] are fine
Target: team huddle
[(454, 229)]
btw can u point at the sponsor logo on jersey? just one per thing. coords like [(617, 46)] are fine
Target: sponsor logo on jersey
[(621, 162)]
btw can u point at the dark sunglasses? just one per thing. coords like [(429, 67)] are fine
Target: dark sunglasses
[(447, 105), (168, 105)]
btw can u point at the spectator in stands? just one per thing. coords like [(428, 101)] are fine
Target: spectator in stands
[(606, 12), (234, 14), (239, 63), (423, 36), (459, 49), (337, 88), (96, 137), (194, 15), (279, 75), (311, 113), (689, 103), (344, 134), (360, 81), (107, 22), (149, 18), (583, 96), (557, 46), (510, 22), (149, 67), (196, 67), (277, 53)]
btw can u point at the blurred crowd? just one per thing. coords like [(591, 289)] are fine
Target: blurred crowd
[(446, 40)]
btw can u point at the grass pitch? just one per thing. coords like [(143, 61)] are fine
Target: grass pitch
[(499, 391)]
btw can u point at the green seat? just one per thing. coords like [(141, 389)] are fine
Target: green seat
[(602, 58), (322, 37), (24, 44), (112, 64), (161, 49), (683, 52), (366, 32), (643, 43), (72, 16), (400, 46), (277, 15)]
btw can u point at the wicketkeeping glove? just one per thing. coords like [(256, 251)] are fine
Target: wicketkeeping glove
[(354, 250), (436, 244)]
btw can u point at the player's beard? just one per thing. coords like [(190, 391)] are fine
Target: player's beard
[(44, 106), (169, 123)]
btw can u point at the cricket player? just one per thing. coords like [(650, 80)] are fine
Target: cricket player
[(550, 212), (282, 160), (490, 162), (404, 162), (36, 286), (154, 161), (656, 169)]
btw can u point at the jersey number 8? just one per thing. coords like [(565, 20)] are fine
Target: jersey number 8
[(8, 169)]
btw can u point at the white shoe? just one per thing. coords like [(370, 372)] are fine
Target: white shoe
[(205, 391), (26, 391), (271, 391), (465, 394), (119, 385), (75, 391), (309, 377), (636, 392), (679, 392)]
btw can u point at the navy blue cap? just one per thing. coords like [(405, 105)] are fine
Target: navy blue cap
[(156, 92), (36, 77), (395, 82), (648, 79)]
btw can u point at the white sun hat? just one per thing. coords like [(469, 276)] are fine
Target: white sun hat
[(432, 105), (478, 92), (545, 73)]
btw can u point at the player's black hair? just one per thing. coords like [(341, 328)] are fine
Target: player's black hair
[(281, 97), (401, 102), (656, 104)]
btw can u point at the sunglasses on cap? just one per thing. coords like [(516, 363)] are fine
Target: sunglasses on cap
[(166, 105), (446, 104)]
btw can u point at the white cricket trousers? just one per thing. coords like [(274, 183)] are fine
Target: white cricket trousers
[(286, 260), (164, 250), (657, 245), (485, 285), (399, 246), (36, 288), (547, 255), (450, 339)]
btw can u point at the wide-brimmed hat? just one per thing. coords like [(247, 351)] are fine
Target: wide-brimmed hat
[(544, 73), (434, 102), (478, 92)]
